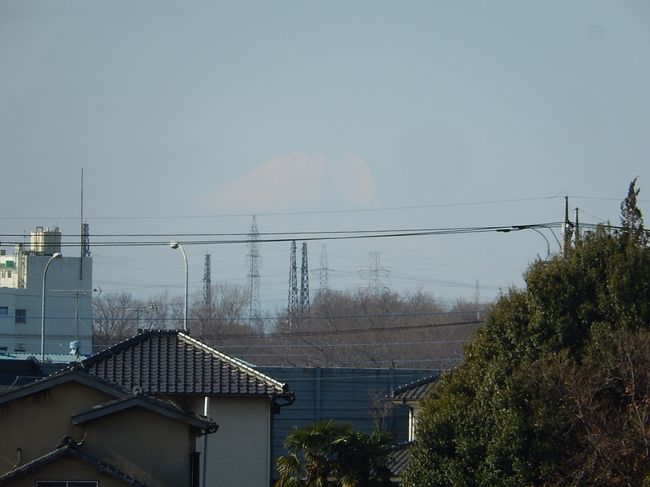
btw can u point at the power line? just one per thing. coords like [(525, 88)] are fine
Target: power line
[(323, 236)]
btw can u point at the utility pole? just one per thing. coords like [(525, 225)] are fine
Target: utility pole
[(567, 229)]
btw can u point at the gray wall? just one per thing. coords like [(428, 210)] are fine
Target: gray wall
[(341, 394)]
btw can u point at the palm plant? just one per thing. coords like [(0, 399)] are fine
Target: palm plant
[(327, 454)]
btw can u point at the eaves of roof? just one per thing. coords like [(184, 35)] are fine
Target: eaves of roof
[(65, 376), (148, 403), (414, 391), (173, 363), (69, 448), (399, 458)]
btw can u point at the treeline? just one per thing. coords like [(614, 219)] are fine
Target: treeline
[(355, 329)]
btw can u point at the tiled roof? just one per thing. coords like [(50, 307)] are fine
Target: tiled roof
[(414, 391), (15, 373), (400, 457), (171, 362), (69, 448)]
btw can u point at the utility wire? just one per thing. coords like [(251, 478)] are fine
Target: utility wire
[(322, 236)]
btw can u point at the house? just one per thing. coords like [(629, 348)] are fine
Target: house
[(411, 396), (75, 429), (67, 300), (173, 366)]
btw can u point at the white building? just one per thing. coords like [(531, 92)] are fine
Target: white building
[(68, 307)]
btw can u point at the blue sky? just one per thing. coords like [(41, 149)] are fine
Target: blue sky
[(189, 117)]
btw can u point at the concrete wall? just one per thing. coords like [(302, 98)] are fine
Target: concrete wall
[(61, 301)]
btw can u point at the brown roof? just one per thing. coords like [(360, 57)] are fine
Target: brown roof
[(414, 391), (171, 362)]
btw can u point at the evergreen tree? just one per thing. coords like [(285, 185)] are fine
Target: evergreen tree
[(513, 413)]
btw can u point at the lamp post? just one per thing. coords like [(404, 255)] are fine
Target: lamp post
[(177, 245), (56, 255), (528, 227)]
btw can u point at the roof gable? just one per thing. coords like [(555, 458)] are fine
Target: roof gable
[(157, 406), (70, 448), (69, 375), (414, 391), (171, 362)]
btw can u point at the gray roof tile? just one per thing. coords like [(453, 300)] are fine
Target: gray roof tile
[(414, 391), (171, 362)]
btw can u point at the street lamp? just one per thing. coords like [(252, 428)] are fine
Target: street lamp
[(57, 255), (176, 245), (528, 227)]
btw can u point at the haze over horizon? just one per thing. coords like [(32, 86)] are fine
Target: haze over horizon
[(190, 118)]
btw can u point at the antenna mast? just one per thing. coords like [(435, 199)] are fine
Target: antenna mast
[(85, 233)]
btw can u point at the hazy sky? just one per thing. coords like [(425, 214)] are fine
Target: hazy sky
[(188, 117)]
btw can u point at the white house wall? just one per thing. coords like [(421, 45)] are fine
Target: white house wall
[(64, 292), (239, 453)]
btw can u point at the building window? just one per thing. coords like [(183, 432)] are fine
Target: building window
[(21, 316), (67, 483), (4, 311), (9, 274)]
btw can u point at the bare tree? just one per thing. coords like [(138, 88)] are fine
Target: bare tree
[(114, 318)]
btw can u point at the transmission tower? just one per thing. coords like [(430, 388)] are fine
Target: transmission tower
[(292, 306), (254, 272), (207, 282), (304, 281), (375, 273), (323, 269)]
